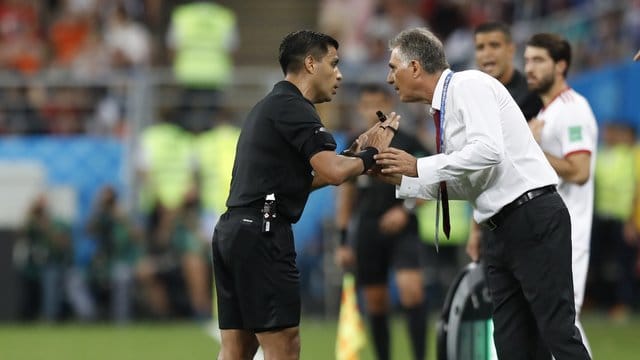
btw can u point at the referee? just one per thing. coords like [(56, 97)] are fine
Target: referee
[(283, 154)]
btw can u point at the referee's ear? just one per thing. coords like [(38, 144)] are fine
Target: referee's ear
[(310, 64)]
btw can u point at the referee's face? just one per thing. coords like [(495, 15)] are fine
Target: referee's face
[(494, 54), (328, 77)]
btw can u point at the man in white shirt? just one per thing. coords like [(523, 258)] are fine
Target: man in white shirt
[(567, 132), (488, 157), (495, 49)]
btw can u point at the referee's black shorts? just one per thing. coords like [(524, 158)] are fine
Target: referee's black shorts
[(257, 281), (377, 253)]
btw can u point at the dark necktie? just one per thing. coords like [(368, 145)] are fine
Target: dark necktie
[(444, 196)]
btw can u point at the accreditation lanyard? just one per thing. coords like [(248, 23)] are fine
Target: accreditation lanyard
[(443, 98)]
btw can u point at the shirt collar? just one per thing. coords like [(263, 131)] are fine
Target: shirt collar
[(437, 93), (287, 87)]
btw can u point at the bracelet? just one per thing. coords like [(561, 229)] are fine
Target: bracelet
[(367, 157)]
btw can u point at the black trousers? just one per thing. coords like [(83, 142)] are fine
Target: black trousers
[(529, 276)]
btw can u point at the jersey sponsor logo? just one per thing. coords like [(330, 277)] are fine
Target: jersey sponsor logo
[(575, 133)]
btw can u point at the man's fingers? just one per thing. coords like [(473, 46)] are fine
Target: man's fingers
[(392, 120), (385, 155), (390, 170), (393, 150), (395, 123)]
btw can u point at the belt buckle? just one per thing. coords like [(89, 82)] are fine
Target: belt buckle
[(490, 224)]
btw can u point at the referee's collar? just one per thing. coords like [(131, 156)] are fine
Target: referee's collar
[(287, 87)]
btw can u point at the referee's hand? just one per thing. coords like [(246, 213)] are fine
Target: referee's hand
[(380, 135)]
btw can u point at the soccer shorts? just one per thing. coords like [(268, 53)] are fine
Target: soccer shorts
[(257, 281), (377, 254)]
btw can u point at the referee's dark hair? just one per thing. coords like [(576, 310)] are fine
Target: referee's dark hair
[(298, 44), (494, 26), (557, 46)]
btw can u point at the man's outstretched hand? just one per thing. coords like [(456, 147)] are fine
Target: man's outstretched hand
[(394, 161)]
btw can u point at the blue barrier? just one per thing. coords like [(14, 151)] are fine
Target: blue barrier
[(84, 163), (613, 92)]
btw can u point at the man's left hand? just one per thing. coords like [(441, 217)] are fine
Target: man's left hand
[(393, 179), (395, 161)]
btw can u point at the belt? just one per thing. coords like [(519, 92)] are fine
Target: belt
[(496, 220), (254, 210)]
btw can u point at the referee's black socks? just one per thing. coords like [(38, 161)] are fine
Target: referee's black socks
[(417, 323), (379, 324)]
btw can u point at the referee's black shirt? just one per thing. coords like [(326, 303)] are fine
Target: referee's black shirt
[(529, 103), (273, 152)]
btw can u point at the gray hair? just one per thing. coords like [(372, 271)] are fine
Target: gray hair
[(421, 45)]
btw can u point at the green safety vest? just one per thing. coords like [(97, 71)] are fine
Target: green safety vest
[(615, 182), (170, 174), (201, 59), (216, 151)]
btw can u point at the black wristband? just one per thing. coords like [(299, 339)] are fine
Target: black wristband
[(343, 237), (367, 157), (347, 152)]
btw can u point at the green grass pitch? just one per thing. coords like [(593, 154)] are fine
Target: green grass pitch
[(160, 341)]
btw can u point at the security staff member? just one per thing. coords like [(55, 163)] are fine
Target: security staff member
[(488, 157), (283, 153)]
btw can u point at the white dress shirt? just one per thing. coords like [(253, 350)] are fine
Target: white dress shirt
[(489, 155)]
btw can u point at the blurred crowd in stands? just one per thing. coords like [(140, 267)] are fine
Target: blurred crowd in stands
[(66, 68), (60, 59)]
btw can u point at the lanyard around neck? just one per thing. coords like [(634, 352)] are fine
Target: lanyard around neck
[(443, 98)]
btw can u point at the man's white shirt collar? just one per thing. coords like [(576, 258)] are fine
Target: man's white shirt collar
[(437, 92)]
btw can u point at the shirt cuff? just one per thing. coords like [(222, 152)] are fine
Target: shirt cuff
[(427, 167), (409, 188)]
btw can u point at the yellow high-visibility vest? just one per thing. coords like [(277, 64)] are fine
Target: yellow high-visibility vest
[(215, 152), (168, 149), (201, 30), (614, 182)]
